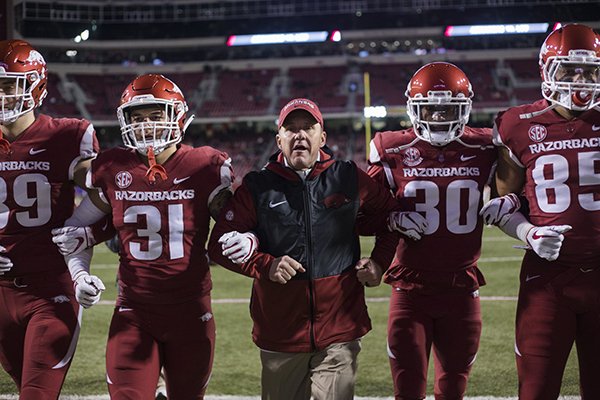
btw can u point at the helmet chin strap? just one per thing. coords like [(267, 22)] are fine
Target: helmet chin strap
[(155, 169)]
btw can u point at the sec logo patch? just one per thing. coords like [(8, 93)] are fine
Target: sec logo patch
[(412, 157), (123, 179), (538, 133)]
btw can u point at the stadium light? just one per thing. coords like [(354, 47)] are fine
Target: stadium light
[(336, 36), (506, 29), (375, 112), (278, 38), (85, 35)]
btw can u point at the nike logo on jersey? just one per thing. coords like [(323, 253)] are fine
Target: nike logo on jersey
[(123, 309), (530, 278), (273, 205), (596, 128), (33, 151), (466, 158), (177, 181)]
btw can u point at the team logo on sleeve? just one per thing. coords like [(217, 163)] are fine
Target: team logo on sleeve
[(123, 179), (412, 157), (538, 133)]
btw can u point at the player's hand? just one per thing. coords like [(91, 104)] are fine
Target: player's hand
[(238, 247), (369, 273), (73, 239), (5, 263), (88, 289), (546, 241), (284, 268), (499, 210), (409, 223)]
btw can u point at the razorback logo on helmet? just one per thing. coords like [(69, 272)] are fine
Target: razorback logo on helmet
[(412, 157), (34, 57), (123, 179), (538, 133)]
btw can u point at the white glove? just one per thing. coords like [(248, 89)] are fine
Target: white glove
[(499, 210), (546, 241), (88, 289), (409, 223), (238, 247), (73, 239), (5, 263)]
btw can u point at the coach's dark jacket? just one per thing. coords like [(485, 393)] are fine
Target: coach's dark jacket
[(314, 222)]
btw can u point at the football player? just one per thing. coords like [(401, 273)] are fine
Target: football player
[(549, 153), (437, 170), (161, 195), (41, 158)]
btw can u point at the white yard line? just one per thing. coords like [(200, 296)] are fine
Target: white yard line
[(209, 397)]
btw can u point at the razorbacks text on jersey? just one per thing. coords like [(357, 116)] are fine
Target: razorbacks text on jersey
[(445, 184), (561, 159), (37, 192), (163, 227)]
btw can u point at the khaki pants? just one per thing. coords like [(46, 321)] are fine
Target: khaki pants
[(327, 375)]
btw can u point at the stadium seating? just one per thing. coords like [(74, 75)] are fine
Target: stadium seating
[(255, 92)]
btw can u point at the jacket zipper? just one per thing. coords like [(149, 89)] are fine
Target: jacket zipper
[(309, 260)]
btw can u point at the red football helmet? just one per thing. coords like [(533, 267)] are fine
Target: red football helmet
[(147, 91), (26, 66), (570, 67), (439, 102)]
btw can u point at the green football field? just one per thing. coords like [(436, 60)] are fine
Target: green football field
[(237, 368)]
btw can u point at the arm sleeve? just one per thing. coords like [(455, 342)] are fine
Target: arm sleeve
[(85, 214), (239, 215)]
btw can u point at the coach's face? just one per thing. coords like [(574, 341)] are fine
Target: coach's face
[(300, 138)]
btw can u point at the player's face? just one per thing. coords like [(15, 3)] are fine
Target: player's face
[(578, 73), (440, 114), (300, 139), (8, 87), (146, 116)]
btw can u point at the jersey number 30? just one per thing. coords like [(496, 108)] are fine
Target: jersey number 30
[(459, 221)]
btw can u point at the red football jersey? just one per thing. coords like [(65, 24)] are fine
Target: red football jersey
[(445, 184), (163, 226), (562, 174), (37, 192)]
